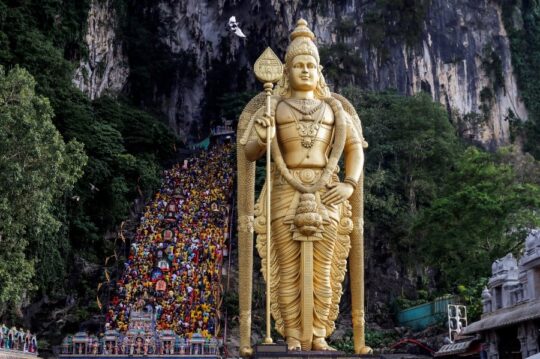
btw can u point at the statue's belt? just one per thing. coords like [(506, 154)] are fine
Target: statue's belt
[(306, 176)]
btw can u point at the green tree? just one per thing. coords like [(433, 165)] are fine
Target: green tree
[(37, 169), (484, 211), (412, 147), (125, 146)]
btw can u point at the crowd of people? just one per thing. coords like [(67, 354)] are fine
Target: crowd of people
[(174, 264), (17, 339)]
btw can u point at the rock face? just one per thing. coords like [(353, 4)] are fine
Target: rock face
[(464, 61), (460, 55), (106, 67)]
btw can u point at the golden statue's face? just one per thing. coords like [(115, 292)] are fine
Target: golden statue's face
[(304, 73)]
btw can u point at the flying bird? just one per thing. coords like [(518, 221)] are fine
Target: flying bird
[(233, 26)]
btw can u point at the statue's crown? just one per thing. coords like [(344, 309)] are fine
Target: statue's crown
[(301, 43)]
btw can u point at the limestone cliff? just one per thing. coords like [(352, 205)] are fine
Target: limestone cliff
[(105, 68), (458, 52), (460, 55)]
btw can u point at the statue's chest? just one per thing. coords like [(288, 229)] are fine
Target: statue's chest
[(303, 129), (304, 120)]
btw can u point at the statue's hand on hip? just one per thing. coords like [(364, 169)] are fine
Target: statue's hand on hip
[(337, 193), (261, 125)]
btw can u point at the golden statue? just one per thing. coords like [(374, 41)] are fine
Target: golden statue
[(316, 219)]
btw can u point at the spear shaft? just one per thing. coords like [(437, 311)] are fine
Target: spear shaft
[(268, 89)]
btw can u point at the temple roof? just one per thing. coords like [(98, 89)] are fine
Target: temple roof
[(466, 346), (506, 316)]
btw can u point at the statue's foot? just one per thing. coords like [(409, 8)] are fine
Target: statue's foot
[(293, 344), (364, 350), (321, 344), (246, 352)]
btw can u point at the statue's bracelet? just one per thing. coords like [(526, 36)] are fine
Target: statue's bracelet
[(351, 181)]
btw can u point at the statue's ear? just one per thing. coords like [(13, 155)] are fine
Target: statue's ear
[(321, 67)]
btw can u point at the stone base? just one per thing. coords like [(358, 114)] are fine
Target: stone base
[(150, 356), (333, 355), (279, 351), (276, 348), (16, 354)]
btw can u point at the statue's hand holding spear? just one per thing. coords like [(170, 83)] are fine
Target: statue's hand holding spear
[(265, 128)]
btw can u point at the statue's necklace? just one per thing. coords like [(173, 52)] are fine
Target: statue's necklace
[(306, 107), (307, 131)]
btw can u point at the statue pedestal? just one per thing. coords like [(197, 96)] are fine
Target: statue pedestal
[(276, 348), (279, 351)]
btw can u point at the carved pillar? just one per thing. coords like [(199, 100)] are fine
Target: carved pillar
[(493, 345), (532, 338), (522, 337)]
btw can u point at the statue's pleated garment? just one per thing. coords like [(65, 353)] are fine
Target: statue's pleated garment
[(329, 260)]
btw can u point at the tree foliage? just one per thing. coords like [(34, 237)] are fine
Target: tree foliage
[(124, 145), (436, 202), (37, 170), (411, 149), (484, 211)]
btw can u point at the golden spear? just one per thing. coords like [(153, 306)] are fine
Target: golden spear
[(268, 70)]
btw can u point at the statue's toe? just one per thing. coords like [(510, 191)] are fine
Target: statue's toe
[(364, 350), (293, 344), (321, 344)]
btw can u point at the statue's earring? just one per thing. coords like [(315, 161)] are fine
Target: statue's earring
[(284, 81), (322, 82)]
